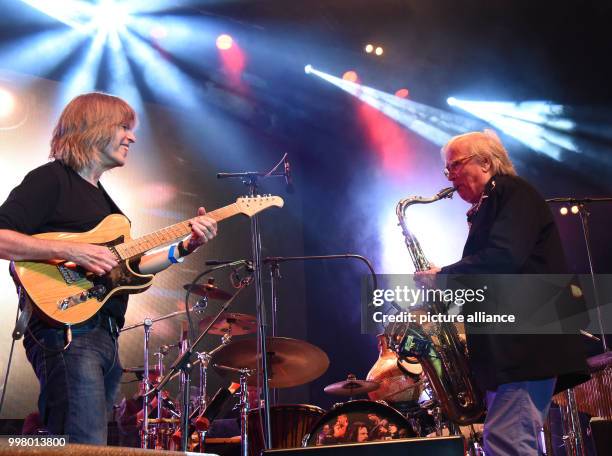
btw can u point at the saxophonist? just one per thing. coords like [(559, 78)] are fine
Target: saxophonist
[(512, 231)]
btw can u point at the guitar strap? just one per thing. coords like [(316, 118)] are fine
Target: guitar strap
[(25, 306)]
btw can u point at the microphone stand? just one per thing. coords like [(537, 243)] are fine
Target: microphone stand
[(584, 215), (275, 273), (250, 179)]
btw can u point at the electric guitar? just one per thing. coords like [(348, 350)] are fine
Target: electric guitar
[(64, 293)]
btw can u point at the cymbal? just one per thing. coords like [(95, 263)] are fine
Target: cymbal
[(238, 324), (291, 362), (209, 290), (351, 387)]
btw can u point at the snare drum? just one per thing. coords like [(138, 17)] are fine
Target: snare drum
[(358, 421), (289, 423)]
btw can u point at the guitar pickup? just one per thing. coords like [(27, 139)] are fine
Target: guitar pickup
[(97, 292)]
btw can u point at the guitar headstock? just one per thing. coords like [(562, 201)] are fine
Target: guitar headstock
[(251, 205)]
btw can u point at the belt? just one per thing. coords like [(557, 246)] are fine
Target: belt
[(102, 320)]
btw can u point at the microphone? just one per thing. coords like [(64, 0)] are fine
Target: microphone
[(288, 179)]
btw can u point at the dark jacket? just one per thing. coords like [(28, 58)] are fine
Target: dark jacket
[(513, 232)]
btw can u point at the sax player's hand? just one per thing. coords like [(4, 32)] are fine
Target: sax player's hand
[(426, 278)]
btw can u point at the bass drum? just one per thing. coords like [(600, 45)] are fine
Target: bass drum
[(358, 421)]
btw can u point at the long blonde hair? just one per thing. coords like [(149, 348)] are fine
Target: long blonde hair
[(484, 145), (86, 127)]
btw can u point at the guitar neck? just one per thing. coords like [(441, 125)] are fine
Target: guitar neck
[(139, 246)]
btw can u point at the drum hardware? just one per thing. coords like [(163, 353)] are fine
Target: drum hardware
[(593, 397), (147, 325), (183, 364), (145, 384), (351, 387), (243, 404)]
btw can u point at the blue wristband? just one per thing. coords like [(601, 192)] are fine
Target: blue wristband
[(171, 256)]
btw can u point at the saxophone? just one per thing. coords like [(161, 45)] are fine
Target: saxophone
[(437, 346)]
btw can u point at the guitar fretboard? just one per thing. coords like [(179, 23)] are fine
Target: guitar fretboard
[(167, 235)]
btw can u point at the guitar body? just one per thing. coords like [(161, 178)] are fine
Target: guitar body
[(63, 293), (66, 294)]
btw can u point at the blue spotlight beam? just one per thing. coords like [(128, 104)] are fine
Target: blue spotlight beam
[(41, 52), (535, 124), (435, 125), (83, 77)]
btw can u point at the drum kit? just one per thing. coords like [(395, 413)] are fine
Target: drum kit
[(399, 403)]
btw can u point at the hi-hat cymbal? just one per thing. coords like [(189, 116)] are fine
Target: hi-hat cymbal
[(351, 387), (236, 324), (209, 290), (291, 362)]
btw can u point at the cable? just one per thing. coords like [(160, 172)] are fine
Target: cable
[(8, 366)]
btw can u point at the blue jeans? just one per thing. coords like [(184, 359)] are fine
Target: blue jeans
[(78, 385), (515, 415)]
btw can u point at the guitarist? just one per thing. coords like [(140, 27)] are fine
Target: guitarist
[(78, 383)]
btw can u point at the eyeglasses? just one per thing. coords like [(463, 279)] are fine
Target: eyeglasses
[(456, 164)]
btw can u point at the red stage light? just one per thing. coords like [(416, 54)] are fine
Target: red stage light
[(224, 42), (350, 76), (402, 93)]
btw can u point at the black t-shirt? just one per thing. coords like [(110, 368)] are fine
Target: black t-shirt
[(54, 198)]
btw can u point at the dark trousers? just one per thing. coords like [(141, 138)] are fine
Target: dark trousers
[(78, 385)]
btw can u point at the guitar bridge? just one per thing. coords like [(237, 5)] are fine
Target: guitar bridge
[(97, 292), (70, 274)]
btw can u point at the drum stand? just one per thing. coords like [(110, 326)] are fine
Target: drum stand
[(183, 365), (572, 430), (243, 404), (147, 324), (145, 384)]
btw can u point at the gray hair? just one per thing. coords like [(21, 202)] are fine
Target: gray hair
[(485, 145)]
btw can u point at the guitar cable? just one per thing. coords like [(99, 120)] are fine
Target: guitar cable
[(8, 365)]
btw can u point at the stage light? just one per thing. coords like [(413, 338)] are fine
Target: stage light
[(110, 16), (224, 42), (369, 48), (574, 209), (308, 69), (7, 102), (452, 101), (379, 51), (350, 76), (402, 93), (563, 210)]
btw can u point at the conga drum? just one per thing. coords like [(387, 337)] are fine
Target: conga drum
[(289, 423)]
